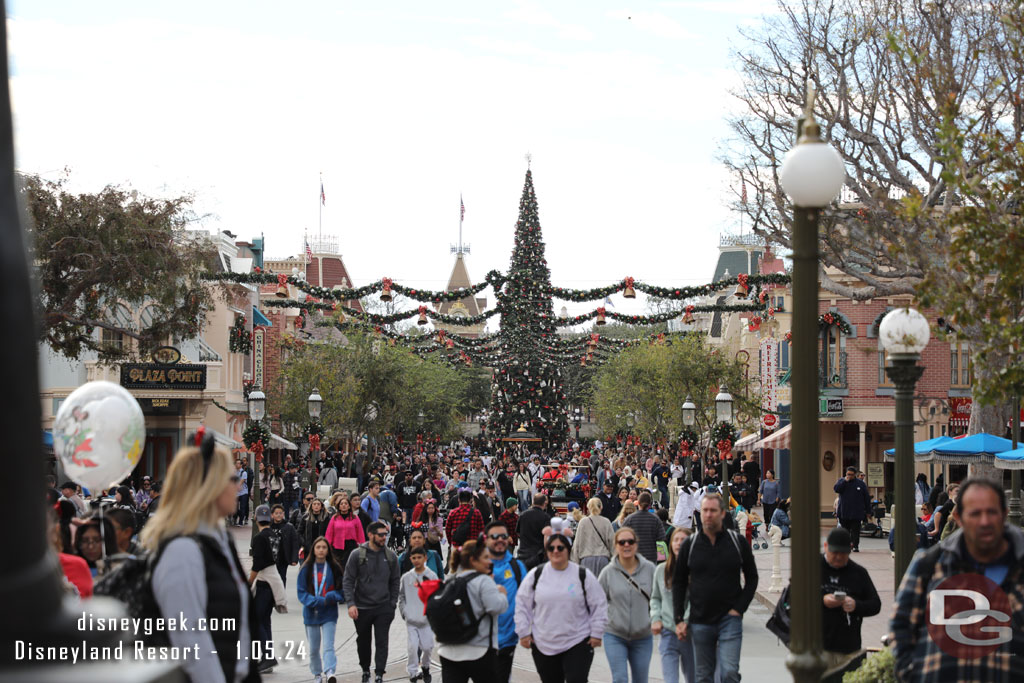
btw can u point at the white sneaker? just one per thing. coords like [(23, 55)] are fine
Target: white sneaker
[(318, 679)]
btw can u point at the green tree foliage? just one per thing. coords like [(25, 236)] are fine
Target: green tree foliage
[(651, 383), (364, 371), (93, 252)]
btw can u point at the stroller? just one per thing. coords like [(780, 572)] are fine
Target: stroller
[(754, 535), (873, 526)]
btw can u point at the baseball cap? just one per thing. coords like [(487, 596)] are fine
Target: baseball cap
[(839, 540), (573, 505), (263, 513)]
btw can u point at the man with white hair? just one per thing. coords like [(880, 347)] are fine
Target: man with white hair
[(687, 505)]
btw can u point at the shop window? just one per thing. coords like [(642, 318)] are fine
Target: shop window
[(883, 362), (960, 370), (783, 356), (833, 359)]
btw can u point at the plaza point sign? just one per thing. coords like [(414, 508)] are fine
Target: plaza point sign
[(156, 376)]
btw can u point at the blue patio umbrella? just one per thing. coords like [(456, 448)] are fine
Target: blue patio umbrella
[(1010, 460), (921, 447), (971, 450)]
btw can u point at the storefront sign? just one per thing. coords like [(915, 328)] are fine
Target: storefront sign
[(830, 407), (769, 381), (876, 475), (257, 358), (959, 412), (154, 376)]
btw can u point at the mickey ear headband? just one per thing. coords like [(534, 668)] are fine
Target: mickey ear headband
[(204, 442)]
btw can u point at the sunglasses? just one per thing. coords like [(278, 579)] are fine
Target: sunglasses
[(626, 541), (556, 548), (309, 500), (497, 537)]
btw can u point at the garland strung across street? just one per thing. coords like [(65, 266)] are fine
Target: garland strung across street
[(527, 353)]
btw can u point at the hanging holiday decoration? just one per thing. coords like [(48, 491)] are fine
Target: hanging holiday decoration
[(239, 338), (385, 292), (688, 318), (754, 324), (256, 436), (627, 291), (314, 432), (423, 316), (601, 317), (826, 320), (742, 286), (723, 436), (282, 286), (688, 441)]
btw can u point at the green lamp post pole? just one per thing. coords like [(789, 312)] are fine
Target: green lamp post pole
[(689, 419), (1015, 507), (723, 415), (903, 334), (812, 174)]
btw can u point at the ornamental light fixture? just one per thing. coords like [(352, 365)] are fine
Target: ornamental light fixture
[(257, 405), (314, 404)]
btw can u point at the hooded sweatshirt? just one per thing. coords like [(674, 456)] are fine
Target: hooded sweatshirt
[(409, 603), (629, 612)]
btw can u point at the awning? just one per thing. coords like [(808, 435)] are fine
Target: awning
[(281, 442), (1010, 460), (920, 448), (225, 440), (260, 320), (779, 440), (746, 443)]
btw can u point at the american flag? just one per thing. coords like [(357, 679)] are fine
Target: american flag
[(462, 209), (323, 197), (309, 253)]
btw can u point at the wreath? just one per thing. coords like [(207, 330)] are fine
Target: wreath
[(688, 441), (256, 436), (314, 431), (239, 338), (723, 436), (827, 320)]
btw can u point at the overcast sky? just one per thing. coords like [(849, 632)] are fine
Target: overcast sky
[(402, 106)]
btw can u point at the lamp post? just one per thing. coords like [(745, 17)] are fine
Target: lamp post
[(689, 419), (904, 334), (256, 401), (577, 417), (811, 175), (314, 405), (723, 415)]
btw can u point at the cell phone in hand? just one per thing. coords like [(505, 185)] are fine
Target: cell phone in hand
[(840, 595)]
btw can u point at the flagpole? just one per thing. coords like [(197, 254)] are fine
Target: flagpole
[(320, 204), (461, 204)]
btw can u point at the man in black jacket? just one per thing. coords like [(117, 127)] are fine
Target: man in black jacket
[(610, 504), (530, 531), (284, 541), (648, 528), (854, 503), (848, 595), (708, 574)]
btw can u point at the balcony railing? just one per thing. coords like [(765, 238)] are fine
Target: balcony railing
[(832, 377)]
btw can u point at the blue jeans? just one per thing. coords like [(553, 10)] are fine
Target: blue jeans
[(628, 655), (313, 635), (676, 655), (524, 499), (718, 644)]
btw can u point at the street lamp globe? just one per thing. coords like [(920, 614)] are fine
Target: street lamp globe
[(904, 331), (812, 172), (421, 417), (577, 416), (314, 404), (723, 405), (257, 401), (689, 412)]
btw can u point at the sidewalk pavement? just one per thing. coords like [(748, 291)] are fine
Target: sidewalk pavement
[(763, 656), (874, 556)]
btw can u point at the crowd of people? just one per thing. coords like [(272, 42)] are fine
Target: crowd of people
[(645, 551)]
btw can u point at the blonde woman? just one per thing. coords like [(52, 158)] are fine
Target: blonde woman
[(628, 508), (593, 546), (627, 582), (197, 574)]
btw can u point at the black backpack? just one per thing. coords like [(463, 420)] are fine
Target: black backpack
[(132, 584), (450, 613), (779, 621)]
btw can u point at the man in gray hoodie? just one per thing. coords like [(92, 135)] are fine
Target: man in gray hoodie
[(371, 585)]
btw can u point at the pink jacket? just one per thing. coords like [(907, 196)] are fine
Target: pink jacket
[(340, 530)]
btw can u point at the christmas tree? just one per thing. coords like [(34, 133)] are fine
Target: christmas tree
[(527, 388)]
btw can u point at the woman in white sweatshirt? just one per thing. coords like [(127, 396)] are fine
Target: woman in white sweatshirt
[(561, 613)]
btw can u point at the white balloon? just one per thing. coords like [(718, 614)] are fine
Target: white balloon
[(99, 434)]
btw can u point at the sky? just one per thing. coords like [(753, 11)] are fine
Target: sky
[(401, 107)]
